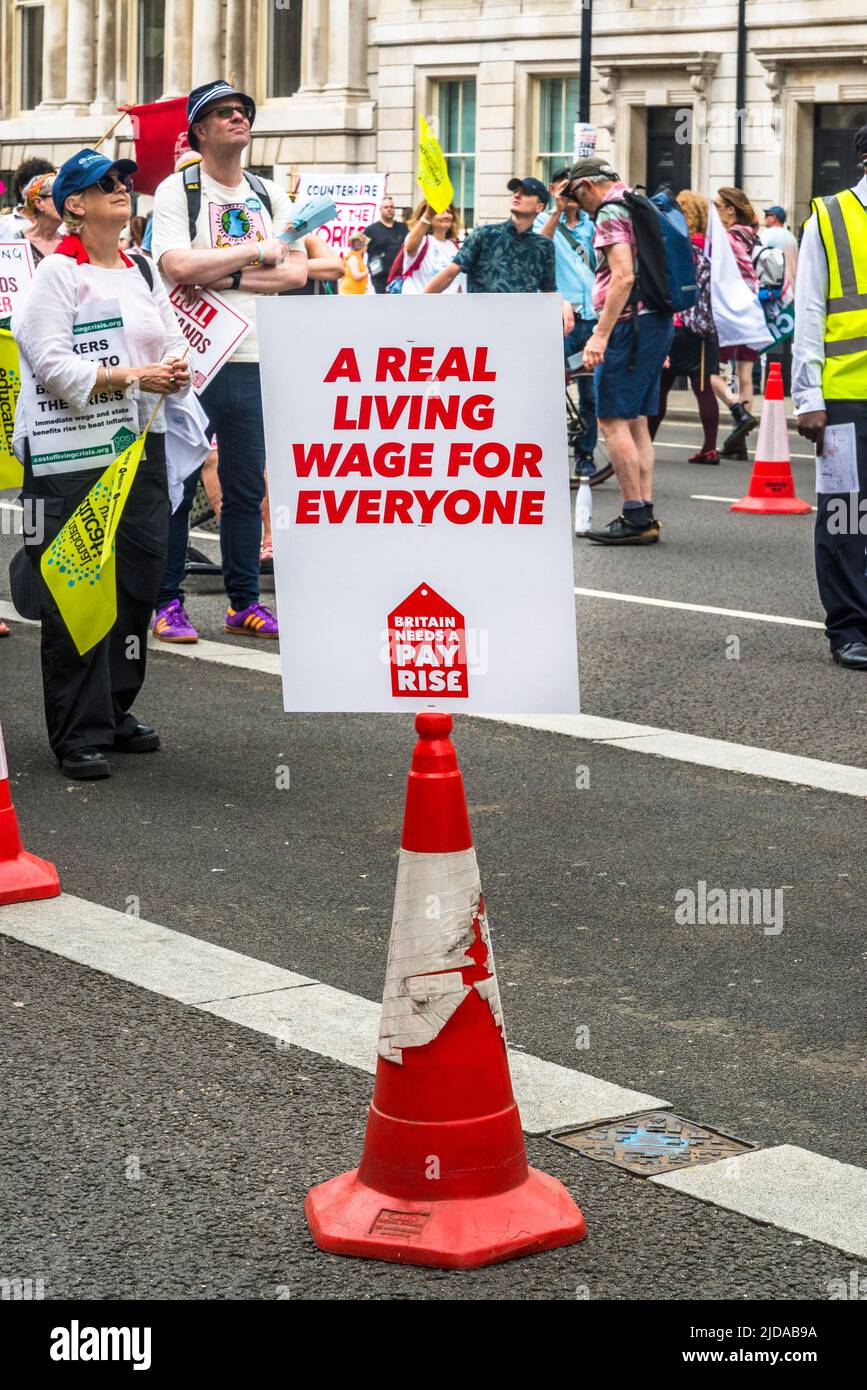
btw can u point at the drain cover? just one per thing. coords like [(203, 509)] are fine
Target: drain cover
[(655, 1142)]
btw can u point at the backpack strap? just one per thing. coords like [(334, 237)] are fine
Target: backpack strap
[(260, 190), (193, 190), (145, 268)]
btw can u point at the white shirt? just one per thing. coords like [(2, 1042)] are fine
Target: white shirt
[(438, 255), (12, 226), (783, 239), (811, 298), (227, 217), (42, 327)]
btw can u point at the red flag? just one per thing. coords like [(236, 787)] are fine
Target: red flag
[(160, 134)]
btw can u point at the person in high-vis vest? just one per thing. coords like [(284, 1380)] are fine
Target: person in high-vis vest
[(829, 387)]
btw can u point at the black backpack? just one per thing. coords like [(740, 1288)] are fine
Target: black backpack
[(193, 190), (665, 269)]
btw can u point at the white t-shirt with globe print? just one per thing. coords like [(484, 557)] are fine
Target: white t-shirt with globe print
[(227, 217)]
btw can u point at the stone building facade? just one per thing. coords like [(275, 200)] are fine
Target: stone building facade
[(340, 84)]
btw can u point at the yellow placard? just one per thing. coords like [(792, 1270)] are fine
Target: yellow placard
[(79, 564), (433, 175), (11, 471)]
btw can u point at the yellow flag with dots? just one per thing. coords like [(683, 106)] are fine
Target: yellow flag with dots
[(11, 471), (433, 175), (79, 564)]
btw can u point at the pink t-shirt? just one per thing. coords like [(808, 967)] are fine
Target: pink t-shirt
[(613, 228)]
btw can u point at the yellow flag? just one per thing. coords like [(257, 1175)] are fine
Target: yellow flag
[(79, 564), (433, 176), (11, 471)]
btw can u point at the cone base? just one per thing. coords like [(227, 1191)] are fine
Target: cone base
[(26, 879), (789, 506), (346, 1217)]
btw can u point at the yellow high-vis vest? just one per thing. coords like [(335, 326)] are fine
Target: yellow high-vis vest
[(843, 229)]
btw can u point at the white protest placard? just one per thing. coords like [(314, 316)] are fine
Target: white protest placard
[(418, 480), (356, 196), (16, 272), (837, 465), (213, 330), (584, 140), (63, 440)]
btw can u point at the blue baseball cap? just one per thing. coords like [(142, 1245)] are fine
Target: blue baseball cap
[(532, 186), (776, 211), (82, 171), (211, 94)]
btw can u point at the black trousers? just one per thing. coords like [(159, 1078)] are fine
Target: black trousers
[(840, 547), (89, 698)]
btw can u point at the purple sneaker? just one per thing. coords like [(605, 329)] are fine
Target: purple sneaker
[(171, 624), (254, 621)]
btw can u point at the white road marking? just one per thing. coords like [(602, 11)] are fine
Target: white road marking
[(292, 1008), (708, 497), (666, 444), (617, 733), (788, 1187), (699, 608), (704, 752)]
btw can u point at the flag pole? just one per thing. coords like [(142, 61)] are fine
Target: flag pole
[(125, 112)]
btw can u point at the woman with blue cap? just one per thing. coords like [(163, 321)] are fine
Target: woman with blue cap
[(89, 697)]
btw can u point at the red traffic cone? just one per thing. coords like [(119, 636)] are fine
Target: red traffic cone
[(443, 1179), (23, 877), (772, 488)]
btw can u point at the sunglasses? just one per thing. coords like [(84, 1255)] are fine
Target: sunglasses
[(110, 183), (225, 113)]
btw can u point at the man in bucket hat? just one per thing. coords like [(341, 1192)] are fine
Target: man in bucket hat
[(217, 225)]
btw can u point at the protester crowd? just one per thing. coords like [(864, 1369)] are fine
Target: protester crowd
[(643, 294)]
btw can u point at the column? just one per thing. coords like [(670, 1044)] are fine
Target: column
[(236, 43), (79, 53), (207, 42), (54, 54), (178, 61), (105, 89), (314, 45), (347, 47)]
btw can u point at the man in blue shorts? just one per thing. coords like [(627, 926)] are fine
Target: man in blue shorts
[(628, 348)]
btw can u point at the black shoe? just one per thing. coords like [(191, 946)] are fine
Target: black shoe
[(623, 532), (86, 763), (851, 654), (143, 739), (744, 422), (738, 451)]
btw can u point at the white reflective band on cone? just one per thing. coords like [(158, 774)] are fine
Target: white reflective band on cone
[(4, 771), (436, 901)]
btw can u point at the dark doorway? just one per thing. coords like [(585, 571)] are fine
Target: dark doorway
[(834, 164), (669, 159)]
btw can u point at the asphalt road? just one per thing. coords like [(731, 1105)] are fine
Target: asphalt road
[(759, 1035)]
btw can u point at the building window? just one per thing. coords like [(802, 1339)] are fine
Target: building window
[(669, 158), (555, 126), (31, 56), (457, 137), (284, 48), (150, 48)]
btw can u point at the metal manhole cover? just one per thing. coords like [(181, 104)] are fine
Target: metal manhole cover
[(655, 1142)]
